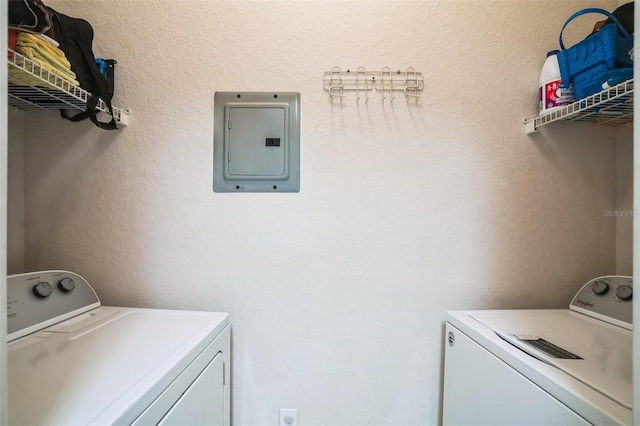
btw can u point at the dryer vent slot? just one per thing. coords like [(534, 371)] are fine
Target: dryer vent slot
[(550, 349)]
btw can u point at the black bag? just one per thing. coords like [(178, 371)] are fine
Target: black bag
[(76, 37), (29, 15)]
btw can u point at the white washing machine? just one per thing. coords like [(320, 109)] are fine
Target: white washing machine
[(543, 367), (72, 361)]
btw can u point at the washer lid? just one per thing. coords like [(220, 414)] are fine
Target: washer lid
[(592, 351), (100, 371)]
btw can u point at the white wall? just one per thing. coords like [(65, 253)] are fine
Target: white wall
[(337, 294), (624, 200), (15, 209)]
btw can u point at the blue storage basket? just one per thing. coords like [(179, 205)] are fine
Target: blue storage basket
[(585, 64)]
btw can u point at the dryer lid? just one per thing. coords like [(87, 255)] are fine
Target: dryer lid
[(77, 371)]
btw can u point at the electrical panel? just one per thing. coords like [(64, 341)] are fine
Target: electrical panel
[(256, 144)]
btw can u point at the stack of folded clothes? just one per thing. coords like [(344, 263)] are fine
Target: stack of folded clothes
[(45, 56)]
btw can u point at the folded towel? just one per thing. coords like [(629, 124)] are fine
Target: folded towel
[(47, 48), (22, 78), (47, 39), (34, 56), (33, 47), (46, 57)]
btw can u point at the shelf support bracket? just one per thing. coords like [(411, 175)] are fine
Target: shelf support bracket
[(530, 126)]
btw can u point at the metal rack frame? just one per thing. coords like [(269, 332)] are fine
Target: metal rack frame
[(362, 82), (54, 92), (610, 107)]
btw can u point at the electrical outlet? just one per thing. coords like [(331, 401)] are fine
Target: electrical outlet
[(288, 417)]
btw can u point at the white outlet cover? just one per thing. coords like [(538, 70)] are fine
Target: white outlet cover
[(288, 417)]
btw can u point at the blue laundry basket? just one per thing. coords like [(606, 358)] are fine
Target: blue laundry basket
[(584, 64)]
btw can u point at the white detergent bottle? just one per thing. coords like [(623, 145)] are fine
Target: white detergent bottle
[(552, 94)]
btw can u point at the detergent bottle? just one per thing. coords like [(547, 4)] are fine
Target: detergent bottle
[(552, 94)]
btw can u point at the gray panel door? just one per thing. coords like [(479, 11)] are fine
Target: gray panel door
[(249, 154)]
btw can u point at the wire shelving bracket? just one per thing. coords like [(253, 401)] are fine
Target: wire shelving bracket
[(50, 91), (610, 107), (386, 82)]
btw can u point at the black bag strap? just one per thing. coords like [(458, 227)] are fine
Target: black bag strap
[(102, 89), (110, 63), (110, 74), (90, 113)]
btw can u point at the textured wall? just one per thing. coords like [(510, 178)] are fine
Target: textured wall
[(624, 200), (15, 193), (337, 294)]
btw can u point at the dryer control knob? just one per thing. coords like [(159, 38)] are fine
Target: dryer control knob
[(600, 287), (66, 285), (42, 289), (624, 292)]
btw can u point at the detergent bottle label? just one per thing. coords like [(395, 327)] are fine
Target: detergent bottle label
[(554, 94)]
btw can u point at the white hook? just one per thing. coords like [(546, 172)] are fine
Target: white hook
[(338, 94), (411, 95), (362, 70), (336, 82), (411, 83), (388, 71)]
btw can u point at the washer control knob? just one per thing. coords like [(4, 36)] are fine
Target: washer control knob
[(66, 285), (600, 288), (42, 289), (624, 292)]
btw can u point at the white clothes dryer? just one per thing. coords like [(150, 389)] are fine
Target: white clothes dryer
[(72, 361), (543, 367)]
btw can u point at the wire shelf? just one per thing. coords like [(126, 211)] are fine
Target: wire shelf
[(33, 87), (610, 107)]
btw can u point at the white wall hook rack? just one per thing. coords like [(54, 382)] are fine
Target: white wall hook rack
[(362, 82)]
